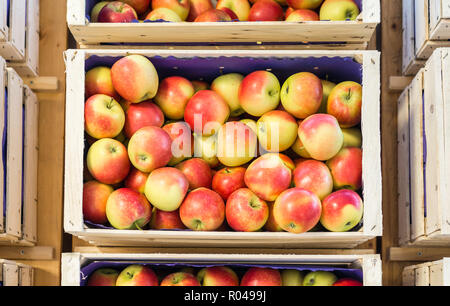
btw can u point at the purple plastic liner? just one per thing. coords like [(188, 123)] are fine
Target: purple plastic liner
[(8, 4), (240, 269)]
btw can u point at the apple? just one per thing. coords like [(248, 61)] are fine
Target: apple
[(202, 210), (342, 211), (205, 147), (302, 15), (352, 138), (197, 172), (217, 276), (321, 136), (314, 176), (348, 282), (337, 10), (166, 220), (236, 144), (117, 11), (259, 93), (150, 148), (163, 13), (103, 117), (98, 81), (173, 95), (272, 225), (136, 180), (346, 169), (319, 278), (301, 94), (261, 276), (182, 141), (95, 195), (327, 88), (128, 209), (206, 112), (199, 85), (228, 180), (245, 212), (251, 124), (166, 188), (240, 7), (266, 10), (230, 13), (137, 275), (181, 7), (269, 175), (107, 161), (277, 131), (289, 10), (197, 7), (292, 278), (135, 78), (140, 115), (304, 4), (180, 279), (299, 148), (344, 103), (213, 15), (140, 6), (103, 277), (96, 10), (227, 86), (297, 210)]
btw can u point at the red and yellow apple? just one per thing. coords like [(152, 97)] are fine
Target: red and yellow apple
[(140, 6), (346, 169), (261, 277), (230, 13), (228, 180), (304, 4), (217, 276), (96, 10), (137, 275), (166, 220), (95, 195), (140, 115), (103, 277), (227, 86), (205, 147), (352, 138), (302, 15), (163, 13), (344, 103), (103, 117), (213, 15), (197, 7), (180, 279), (136, 180), (319, 279), (181, 7), (266, 10), (277, 131), (98, 81), (182, 141), (272, 225), (347, 282), (173, 94), (117, 12), (327, 88), (197, 172), (314, 176), (339, 10), (240, 7)]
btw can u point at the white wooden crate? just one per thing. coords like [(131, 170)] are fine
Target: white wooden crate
[(425, 28), (19, 42), (15, 274), (423, 160), (71, 263), (74, 163), (353, 34), (436, 273)]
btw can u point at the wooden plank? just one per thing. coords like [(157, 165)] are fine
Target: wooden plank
[(42, 83), (445, 209), (409, 254), (3, 91), (437, 273), (446, 271), (399, 83), (439, 20), (14, 48), (421, 22), (3, 22), (422, 276), (408, 33), (25, 276), (10, 274), (27, 253), (408, 277)]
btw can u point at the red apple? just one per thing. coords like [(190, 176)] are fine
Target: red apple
[(277, 131), (297, 210), (206, 112), (239, 7), (135, 78), (261, 276), (266, 10), (103, 117), (166, 220), (96, 10), (181, 7), (217, 276), (304, 4), (348, 282), (202, 210), (344, 103), (107, 161), (182, 141), (136, 180), (140, 115), (117, 11), (180, 279), (269, 175), (302, 15), (137, 275), (197, 172), (98, 81), (289, 10), (103, 277), (213, 15), (140, 6), (245, 212), (272, 225), (346, 169), (150, 148), (95, 195), (197, 7), (163, 13), (128, 209), (342, 211), (230, 13), (173, 95), (228, 180), (314, 176)]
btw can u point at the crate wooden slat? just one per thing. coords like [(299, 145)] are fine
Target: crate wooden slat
[(424, 216), (14, 47), (3, 21), (15, 274), (71, 263), (436, 273), (357, 32), (73, 216)]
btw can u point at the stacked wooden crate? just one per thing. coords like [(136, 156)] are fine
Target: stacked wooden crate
[(15, 274)]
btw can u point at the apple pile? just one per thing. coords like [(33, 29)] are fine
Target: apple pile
[(141, 275), (224, 10), (180, 154)]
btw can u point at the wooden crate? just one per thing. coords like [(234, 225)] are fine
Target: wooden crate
[(71, 263), (15, 274), (368, 66), (18, 184), (436, 273), (423, 161), (351, 34), (425, 28), (19, 39)]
